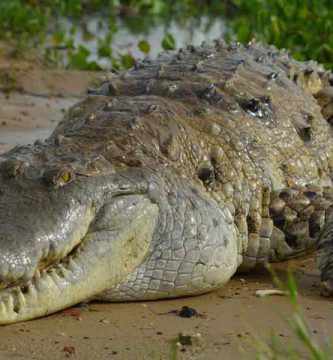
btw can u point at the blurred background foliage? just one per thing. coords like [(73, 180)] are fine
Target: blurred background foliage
[(100, 34)]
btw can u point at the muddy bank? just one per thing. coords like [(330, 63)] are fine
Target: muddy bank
[(231, 324), (26, 118)]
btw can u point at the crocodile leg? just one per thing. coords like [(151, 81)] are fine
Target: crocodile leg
[(195, 248), (291, 222), (324, 258)]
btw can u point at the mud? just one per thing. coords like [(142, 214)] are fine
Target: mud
[(233, 324)]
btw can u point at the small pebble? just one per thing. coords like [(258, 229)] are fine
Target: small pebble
[(185, 339), (187, 312)]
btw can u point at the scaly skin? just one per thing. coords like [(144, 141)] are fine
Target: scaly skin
[(168, 179)]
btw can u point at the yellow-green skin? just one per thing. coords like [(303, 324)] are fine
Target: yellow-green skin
[(168, 179)]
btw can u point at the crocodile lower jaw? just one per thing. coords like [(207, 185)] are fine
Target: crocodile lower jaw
[(97, 263)]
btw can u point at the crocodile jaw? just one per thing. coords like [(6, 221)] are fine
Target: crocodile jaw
[(99, 263)]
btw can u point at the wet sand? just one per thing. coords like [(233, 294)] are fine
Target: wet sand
[(231, 324), (26, 118), (231, 321)]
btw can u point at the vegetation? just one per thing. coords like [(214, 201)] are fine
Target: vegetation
[(306, 346), (304, 26)]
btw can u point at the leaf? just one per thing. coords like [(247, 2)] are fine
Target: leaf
[(57, 38), (104, 50), (127, 61), (87, 35), (144, 46), (78, 60), (243, 32), (169, 42)]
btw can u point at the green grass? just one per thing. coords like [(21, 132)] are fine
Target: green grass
[(304, 26), (304, 346)]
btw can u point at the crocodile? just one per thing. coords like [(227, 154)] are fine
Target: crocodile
[(169, 178)]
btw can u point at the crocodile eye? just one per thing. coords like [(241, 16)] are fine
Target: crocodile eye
[(59, 177), (65, 176)]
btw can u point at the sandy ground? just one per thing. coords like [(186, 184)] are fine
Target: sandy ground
[(231, 325), (232, 321)]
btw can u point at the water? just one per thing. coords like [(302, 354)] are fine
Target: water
[(125, 35), (13, 137)]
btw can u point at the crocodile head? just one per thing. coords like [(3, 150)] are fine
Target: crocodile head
[(55, 233)]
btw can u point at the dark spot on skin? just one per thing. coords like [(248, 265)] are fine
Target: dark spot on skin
[(272, 76), (191, 48), (279, 220), (260, 107), (112, 89), (310, 194), (251, 105), (285, 195), (180, 55), (147, 60), (308, 72), (315, 225), (305, 134), (291, 240), (303, 123), (251, 224), (314, 228), (212, 95), (232, 47), (24, 289), (206, 175), (260, 59), (153, 109), (134, 122), (272, 54), (330, 121), (215, 222), (38, 142)]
